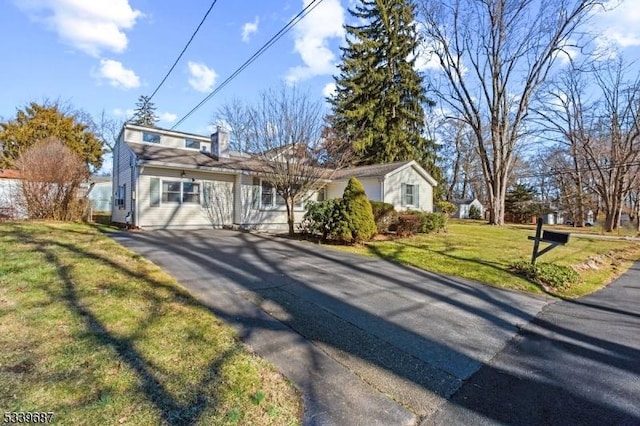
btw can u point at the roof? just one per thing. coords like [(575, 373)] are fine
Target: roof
[(9, 174), (464, 201), (191, 159), (372, 170), (382, 170)]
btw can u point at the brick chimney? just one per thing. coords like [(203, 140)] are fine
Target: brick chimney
[(220, 143)]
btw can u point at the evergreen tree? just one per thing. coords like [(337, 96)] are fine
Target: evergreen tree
[(145, 112), (358, 211), (379, 99), (35, 123)]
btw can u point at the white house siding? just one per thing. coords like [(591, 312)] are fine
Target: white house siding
[(372, 187), (166, 138), (393, 189), (123, 174), (9, 193), (186, 215)]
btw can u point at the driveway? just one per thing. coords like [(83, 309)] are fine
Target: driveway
[(366, 341)]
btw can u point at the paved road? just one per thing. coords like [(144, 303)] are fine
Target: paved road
[(367, 341), (576, 363)]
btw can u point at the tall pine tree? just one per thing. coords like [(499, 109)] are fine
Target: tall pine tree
[(145, 112), (379, 96)]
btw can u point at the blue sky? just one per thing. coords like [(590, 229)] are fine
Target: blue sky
[(102, 54)]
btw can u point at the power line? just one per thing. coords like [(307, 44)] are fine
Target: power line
[(304, 12), (204, 18)]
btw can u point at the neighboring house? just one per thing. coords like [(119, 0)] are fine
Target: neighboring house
[(100, 193), (9, 192), (463, 206), (164, 179)]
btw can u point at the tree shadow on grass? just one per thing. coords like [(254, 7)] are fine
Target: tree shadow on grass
[(171, 409)]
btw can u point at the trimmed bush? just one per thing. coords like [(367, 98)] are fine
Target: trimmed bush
[(326, 219), (358, 211), (384, 215), (408, 224), (557, 277), (429, 222)]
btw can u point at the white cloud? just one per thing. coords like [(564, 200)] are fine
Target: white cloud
[(90, 26), (311, 37), (201, 77), (167, 117), (119, 112), (249, 28), (618, 24), (117, 75), (329, 90)]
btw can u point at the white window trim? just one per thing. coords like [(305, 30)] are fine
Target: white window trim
[(181, 202), (274, 205)]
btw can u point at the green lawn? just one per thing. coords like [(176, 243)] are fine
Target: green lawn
[(477, 251), (98, 335)]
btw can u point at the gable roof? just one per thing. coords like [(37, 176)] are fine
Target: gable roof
[(464, 201), (382, 171)]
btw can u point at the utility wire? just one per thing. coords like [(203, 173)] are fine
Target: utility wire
[(304, 12), (204, 18)]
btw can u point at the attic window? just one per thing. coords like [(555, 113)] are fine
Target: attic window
[(192, 144), (150, 137)]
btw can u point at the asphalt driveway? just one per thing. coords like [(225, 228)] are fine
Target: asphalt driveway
[(367, 341)]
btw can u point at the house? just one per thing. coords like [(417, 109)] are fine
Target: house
[(405, 184), (463, 207), (100, 193), (9, 192), (164, 179)]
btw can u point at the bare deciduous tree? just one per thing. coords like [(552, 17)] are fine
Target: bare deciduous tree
[(494, 55), (51, 177), (284, 130)]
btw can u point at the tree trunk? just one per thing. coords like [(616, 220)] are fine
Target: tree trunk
[(290, 216)]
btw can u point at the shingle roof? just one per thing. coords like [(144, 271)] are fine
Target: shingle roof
[(373, 170), (163, 155)]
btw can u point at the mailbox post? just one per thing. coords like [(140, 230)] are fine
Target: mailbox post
[(553, 238)]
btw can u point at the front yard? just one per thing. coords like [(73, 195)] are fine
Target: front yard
[(480, 252), (98, 335)]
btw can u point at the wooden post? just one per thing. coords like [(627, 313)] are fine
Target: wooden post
[(536, 241)]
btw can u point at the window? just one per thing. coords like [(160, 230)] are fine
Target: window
[(190, 143), (270, 198), (180, 192), (150, 137), (268, 192), (410, 195), (190, 192), (121, 196)]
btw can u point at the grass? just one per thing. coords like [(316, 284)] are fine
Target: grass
[(480, 252), (98, 335)]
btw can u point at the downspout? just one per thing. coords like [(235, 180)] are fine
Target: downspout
[(382, 190)]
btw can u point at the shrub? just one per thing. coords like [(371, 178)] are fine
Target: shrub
[(384, 215), (557, 277), (326, 219), (358, 211), (445, 207), (408, 224), (474, 213), (429, 222)]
